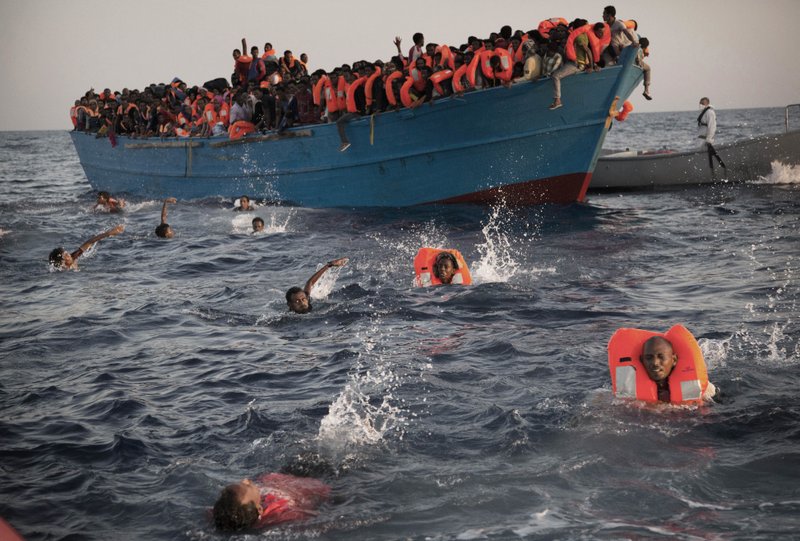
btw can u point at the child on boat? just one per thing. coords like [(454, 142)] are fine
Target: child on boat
[(299, 300), (63, 260)]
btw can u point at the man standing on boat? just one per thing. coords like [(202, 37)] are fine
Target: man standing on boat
[(707, 128)]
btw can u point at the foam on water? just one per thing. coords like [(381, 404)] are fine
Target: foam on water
[(781, 174)]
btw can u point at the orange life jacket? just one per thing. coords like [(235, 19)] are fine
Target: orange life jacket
[(331, 101), (506, 64), (419, 79), (596, 45), (351, 94), (210, 115), (180, 131), (425, 261), (687, 381), (240, 128), (472, 69), (447, 56), (73, 115), (316, 92), (389, 89), (405, 92), (548, 24), (438, 78), (270, 52), (631, 24), (368, 86), (486, 66), (341, 93), (225, 113), (458, 79)]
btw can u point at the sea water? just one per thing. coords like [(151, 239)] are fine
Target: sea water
[(132, 390)]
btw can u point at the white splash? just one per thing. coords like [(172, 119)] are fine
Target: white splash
[(781, 174), (497, 261), (366, 411), (715, 352)]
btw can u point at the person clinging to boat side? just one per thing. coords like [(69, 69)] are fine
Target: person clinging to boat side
[(163, 230), (707, 129), (61, 259), (299, 300)]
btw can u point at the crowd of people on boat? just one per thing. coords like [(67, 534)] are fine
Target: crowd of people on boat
[(268, 92)]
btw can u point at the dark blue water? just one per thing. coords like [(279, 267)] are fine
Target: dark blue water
[(132, 390)]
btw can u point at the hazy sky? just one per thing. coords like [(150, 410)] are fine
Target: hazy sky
[(739, 53)]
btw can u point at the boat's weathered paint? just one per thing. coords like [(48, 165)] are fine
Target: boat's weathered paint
[(483, 146), (748, 159)]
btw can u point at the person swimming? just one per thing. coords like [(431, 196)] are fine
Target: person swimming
[(163, 230), (258, 225), (244, 204), (108, 203), (299, 300), (64, 260), (271, 499)]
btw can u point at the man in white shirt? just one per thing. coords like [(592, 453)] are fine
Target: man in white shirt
[(707, 128), (621, 36)]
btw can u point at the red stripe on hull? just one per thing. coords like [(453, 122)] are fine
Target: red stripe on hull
[(563, 189)]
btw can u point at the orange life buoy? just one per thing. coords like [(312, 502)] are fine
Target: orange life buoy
[(424, 267), (687, 381), (627, 107)]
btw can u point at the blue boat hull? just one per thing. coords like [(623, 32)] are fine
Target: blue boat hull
[(497, 144)]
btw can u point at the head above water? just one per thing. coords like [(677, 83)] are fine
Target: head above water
[(164, 231), (658, 358), (445, 267), (298, 301), (60, 258), (238, 507), (258, 224)]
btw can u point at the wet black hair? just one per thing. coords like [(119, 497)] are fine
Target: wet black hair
[(57, 257), (440, 256), (230, 515), (292, 291), (161, 230), (257, 220), (108, 195)]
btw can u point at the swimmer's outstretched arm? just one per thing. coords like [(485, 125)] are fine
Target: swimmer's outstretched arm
[(164, 208), (317, 275), (89, 243)]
